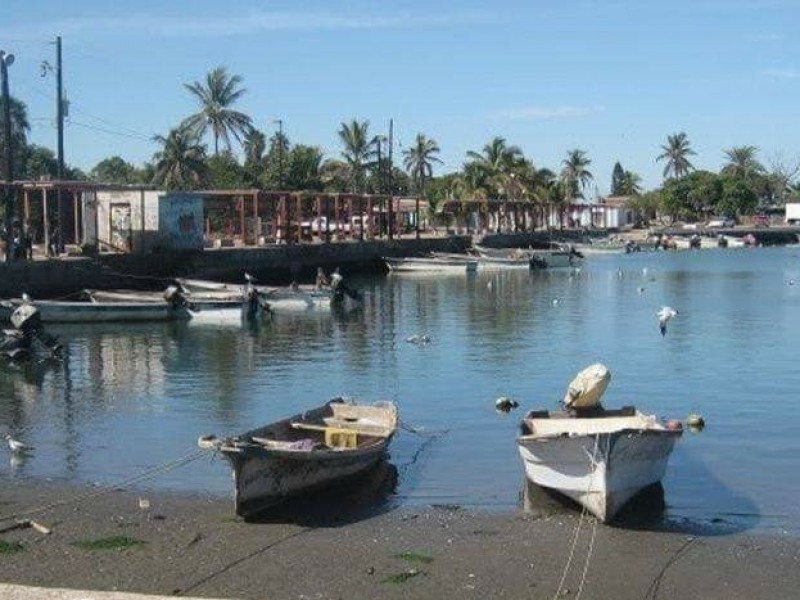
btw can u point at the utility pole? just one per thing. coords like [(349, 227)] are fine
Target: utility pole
[(60, 124), (280, 153), (391, 177), (7, 60)]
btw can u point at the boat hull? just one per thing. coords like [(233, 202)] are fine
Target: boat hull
[(267, 478), (99, 312), (423, 265), (603, 471)]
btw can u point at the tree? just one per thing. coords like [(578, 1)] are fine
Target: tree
[(575, 173), (335, 176), (676, 152), (19, 131), (113, 170), (275, 163), (40, 162), (692, 196), (616, 179), (216, 97), (180, 164), (630, 184), (254, 144), (225, 173), (737, 198), (742, 162), (305, 169), (358, 151), (418, 161), (485, 171)]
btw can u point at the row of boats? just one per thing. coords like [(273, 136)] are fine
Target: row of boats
[(600, 458), (480, 258)]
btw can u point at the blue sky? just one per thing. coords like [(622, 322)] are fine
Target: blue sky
[(611, 77)]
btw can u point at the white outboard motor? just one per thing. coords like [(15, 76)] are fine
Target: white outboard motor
[(26, 317), (18, 343), (585, 391)]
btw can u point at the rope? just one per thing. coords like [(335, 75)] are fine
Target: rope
[(584, 512), (150, 473)]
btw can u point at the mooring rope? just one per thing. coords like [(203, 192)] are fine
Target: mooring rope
[(584, 512), (148, 474)]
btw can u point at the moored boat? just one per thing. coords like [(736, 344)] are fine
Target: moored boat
[(306, 452), (420, 264), (514, 260), (600, 458), (555, 255)]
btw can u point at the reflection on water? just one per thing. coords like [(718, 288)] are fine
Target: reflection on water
[(132, 396)]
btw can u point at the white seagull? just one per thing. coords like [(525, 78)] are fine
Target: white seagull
[(16, 445), (664, 315)]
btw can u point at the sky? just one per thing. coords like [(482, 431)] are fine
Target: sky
[(610, 77)]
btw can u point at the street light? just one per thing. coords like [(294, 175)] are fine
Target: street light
[(6, 60)]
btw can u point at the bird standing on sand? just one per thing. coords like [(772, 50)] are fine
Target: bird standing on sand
[(16, 445), (664, 315)]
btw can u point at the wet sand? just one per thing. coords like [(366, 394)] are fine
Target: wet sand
[(197, 547)]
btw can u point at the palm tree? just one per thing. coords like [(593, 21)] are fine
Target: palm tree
[(575, 174), (675, 152), (487, 170), (742, 162), (180, 164), (358, 151), (630, 184), (419, 158), (254, 144), (216, 97)]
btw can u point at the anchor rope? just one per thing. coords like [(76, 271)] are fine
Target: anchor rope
[(143, 476), (577, 529)]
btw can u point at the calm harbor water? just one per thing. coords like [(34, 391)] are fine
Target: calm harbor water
[(131, 397)]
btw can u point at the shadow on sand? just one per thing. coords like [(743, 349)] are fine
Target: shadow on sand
[(366, 495)]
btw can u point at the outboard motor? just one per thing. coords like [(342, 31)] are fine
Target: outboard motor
[(341, 289), (255, 303), (18, 343)]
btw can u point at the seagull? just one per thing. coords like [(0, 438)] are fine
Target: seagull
[(16, 445), (555, 301), (249, 278), (418, 339), (644, 271), (641, 290), (664, 315)]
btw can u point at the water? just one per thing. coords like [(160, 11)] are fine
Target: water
[(131, 397)]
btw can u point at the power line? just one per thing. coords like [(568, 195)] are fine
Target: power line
[(110, 131)]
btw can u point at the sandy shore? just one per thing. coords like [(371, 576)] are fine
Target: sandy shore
[(196, 547)]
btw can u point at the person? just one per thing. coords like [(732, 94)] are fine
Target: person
[(27, 240), (322, 279), (336, 278), (55, 240)]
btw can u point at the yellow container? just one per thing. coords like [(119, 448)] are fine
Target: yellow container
[(340, 438)]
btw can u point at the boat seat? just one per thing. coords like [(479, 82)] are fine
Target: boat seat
[(335, 437)]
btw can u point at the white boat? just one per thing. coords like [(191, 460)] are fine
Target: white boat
[(418, 264), (731, 241), (61, 311), (305, 452), (556, 255), (492, 263), (599, 458)]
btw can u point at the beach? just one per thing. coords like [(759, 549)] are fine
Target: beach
[(195, 546)]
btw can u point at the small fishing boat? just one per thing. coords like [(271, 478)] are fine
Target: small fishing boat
[(513, 260), (600, 458), (554, 256), (75, 311), (306, 452), (428, 264)]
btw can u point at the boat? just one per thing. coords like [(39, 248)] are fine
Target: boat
[(555, 255), (423, 264), (514, 260), (597, 457), (306, 452), (289, 298)]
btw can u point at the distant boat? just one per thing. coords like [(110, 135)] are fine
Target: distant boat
[(431, 264), (556, 255), (600, 458), (306, 452), (492, 263)]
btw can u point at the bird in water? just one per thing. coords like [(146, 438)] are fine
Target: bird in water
[(505, 405), (16, 445), (418, 339), (555, 301), (664, 315)]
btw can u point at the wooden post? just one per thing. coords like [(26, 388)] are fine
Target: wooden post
[(317, 217), (243, 228), (75, 228), (299, 217), (416, 216), (142, 234), (336, 220), (45, 224), (256, 223), (26, 206), (327, 219), (370, 224)]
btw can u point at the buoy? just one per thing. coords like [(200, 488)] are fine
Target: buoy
[(505, 404), (695, 421)]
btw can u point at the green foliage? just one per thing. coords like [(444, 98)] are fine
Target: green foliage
[(304, 171), (39, 163), (738, 198), (691, 196), (114, 170), (358, 151), (616, 180), (224, 173), (414, 557), (215, 97), (676, 153), (419, 159), (118, 542), (10, 547), (19, 130), (180, 164), (575, 173)]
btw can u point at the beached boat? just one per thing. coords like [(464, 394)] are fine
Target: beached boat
[(430, 264), (305, 452), (600, 458)]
